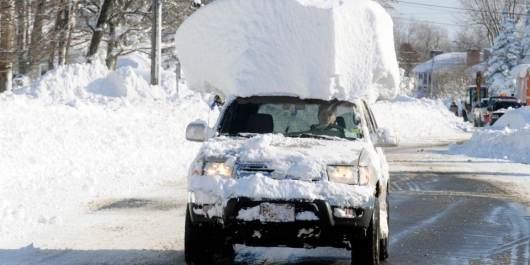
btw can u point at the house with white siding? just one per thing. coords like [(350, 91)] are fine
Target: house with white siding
[(473, 60)]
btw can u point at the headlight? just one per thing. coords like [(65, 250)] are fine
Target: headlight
[(217, 168), (349, 174)]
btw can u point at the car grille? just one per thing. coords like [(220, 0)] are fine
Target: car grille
[(245, 170)]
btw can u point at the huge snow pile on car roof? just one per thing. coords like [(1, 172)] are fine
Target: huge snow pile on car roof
[(314, 49)]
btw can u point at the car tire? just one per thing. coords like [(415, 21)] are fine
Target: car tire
[(383, 242), (368, 252), (198, 244)]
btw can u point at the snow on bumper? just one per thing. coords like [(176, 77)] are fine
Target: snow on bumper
[(233, 200), (218, 190)]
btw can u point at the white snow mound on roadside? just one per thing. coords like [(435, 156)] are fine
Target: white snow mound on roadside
[(313, 49), (415, 119), (507, 139), (514, 119), (498, 143)]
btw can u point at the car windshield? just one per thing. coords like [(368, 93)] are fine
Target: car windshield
[(493, 100), (506, 104), (292, 117)]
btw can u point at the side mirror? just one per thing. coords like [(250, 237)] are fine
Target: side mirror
[(197, 131), (384, 137)]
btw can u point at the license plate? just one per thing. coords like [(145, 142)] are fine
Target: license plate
[(271, 212)]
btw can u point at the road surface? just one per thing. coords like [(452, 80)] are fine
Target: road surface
[(445, 209)]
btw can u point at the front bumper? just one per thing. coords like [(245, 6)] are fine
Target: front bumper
[(329, 228)]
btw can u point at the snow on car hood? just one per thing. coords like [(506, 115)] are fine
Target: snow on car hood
[(296, 163)]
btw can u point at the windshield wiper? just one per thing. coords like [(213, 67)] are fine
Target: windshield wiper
[(247, 135), (311, 135)]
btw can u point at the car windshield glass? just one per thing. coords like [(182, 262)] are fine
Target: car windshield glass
[(493, 100), (292, 117), (506, 104)]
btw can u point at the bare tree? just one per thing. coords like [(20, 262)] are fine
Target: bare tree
[(37, 37), (126, 26), (7, 15), (99, 30), (487, 14), (425, 37), (386, 3), (455, 82), (23, 10), (470, 38), (61, 31)]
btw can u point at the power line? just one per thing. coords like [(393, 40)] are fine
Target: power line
[(412, 3), (429, 22), (457, 8)]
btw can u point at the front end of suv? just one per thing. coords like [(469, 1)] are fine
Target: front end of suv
[(277, 181)]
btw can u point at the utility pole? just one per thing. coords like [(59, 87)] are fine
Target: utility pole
[(156, 40), (177, 71), (433, 55)]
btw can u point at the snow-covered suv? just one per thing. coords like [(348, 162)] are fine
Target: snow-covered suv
[(266, 177)]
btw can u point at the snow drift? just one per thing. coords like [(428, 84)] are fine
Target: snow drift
[(415, 119), (313, 49), (507, 139)]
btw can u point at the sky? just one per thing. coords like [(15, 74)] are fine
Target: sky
[(439, 13), (82, 133)]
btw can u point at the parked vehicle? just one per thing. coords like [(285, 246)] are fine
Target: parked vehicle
[(491, 102), (500, 106), (20, 80), (265, 176)]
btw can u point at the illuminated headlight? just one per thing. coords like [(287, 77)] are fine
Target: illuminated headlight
[(349, 174), (217, 168)]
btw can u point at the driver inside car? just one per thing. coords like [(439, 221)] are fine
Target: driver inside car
[(326, 118)]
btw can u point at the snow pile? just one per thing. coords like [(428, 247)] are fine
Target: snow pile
[(74, 82), (83, 133), (514, 119), (415, 119), (314, 49), (506, 139)]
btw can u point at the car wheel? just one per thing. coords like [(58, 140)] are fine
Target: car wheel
[(198, 245), (226, 254), (383, 243), (367, 252)]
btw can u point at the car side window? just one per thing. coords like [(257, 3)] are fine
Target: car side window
[(370, 122)]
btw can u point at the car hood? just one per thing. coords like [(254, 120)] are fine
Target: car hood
[(284, 157), (281, 168)]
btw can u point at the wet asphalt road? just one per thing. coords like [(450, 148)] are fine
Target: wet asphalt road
[(439, 215), (450, 220)]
